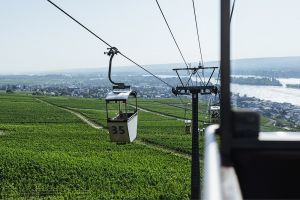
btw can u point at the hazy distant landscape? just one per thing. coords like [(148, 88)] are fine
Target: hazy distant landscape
[(266, 82), (287, 67), (283, 73)]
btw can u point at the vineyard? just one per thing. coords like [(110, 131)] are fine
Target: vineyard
[(48, 152)]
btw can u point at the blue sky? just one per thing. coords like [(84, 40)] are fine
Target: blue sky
[(36, 37)]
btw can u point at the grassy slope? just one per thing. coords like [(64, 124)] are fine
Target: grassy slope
[(172, 107), (152, 128), (45, 151)]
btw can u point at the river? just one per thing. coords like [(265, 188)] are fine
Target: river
[(278, 94)]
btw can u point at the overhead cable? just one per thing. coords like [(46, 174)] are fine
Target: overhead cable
[(98, 37), (162, 13), (232, 9), (196, 23)]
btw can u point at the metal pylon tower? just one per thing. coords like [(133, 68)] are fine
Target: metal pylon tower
[(194, 86)]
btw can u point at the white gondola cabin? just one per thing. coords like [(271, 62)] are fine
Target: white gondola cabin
[(188, 126), (214, 114), (123, 124)]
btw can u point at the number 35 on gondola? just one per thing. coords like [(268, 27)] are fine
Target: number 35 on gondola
[(122, 115)]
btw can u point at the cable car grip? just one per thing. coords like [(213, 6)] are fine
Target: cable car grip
[(112, 51)]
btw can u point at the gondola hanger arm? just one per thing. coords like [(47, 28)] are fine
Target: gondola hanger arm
[(112, 51)]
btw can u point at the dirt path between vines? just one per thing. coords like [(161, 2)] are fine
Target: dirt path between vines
[(80, 116), (139, 142)]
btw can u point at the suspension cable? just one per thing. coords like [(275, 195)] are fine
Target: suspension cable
[(98, 37), (232, 9), (79, 23), (162, 13), (146, 70), (196, 23)]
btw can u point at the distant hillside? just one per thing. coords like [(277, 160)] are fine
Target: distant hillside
[(131, 70), (277, 66)]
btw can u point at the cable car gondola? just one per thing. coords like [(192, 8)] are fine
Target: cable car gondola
[(214, 105), (214, 112), (122, 125)]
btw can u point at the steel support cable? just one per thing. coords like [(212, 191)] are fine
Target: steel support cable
[(232, 9), (197, 29), (146, 70), (94, 34), (79, 23), (162, 13)]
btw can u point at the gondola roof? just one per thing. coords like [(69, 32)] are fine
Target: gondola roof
[(120, 95)]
